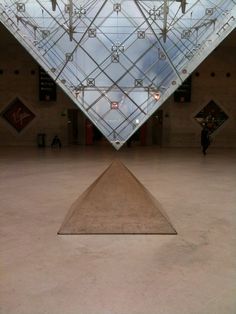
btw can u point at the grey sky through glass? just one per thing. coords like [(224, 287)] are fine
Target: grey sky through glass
[(119, 60)]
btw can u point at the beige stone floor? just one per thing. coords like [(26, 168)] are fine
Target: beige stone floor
[(192, 272)]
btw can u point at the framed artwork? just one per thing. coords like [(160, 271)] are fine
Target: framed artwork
[(212, 116), (18, 115)]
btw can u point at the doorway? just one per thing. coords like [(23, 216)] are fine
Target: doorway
[(72, 115), (93, 135)]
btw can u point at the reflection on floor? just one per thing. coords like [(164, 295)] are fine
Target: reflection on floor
[(192, 272)]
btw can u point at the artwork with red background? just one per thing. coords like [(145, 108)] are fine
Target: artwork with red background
[(18, 115)]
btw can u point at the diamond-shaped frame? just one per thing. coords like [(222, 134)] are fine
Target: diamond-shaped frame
[(211, 115), (18, 115)]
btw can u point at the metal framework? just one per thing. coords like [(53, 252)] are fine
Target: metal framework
[(119, 60)]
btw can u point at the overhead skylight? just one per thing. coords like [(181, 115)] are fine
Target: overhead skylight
[(119, 60)]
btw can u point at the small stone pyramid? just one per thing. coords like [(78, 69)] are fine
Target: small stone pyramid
[(116, 203)]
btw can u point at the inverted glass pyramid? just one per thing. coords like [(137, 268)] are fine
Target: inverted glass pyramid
[(119, 60)]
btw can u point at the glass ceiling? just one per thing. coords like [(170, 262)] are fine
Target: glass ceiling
[(119, 60)]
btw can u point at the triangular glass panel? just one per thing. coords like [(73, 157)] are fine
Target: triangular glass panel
[(119, 60)]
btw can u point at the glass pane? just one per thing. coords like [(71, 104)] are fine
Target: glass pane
[(119, 60)]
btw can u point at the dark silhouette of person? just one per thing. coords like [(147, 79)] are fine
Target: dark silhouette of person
[(205, 139), (56, 142)]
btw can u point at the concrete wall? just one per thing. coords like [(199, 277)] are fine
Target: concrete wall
[(179, 126), (50, 118)]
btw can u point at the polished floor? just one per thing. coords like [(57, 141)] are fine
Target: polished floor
[(193, 272)]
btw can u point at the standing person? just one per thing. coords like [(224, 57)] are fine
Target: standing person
[(205, 139), (56, 142)]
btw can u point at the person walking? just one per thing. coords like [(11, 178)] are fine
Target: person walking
[(205, 139)]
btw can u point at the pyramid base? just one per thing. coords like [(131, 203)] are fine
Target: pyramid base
[(116, 203)]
